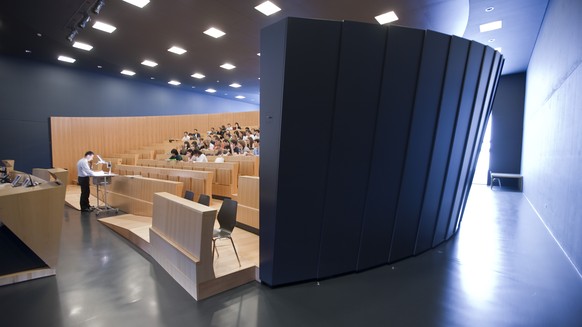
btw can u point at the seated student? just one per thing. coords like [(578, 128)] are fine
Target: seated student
[(256, 149), (235, 148), (186, 137), (199, 156), (185, 147), (190, 155), (196, 135), (175, 155)]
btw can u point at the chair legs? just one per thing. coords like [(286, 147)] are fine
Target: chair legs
[(215, 250), (493, 181)]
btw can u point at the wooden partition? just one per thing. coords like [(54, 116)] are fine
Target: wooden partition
[(135, 194), (199, 182), (248, 165), (126, 158), (34, 215), (181, 241), (225, 182), (248, 201), (71, 137)]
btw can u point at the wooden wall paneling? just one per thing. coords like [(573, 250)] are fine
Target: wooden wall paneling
[(451, 94), (397, 95), (422, 128), (458, 144), (358, 84)]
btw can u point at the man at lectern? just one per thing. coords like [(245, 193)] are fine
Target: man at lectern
[(84, 174)]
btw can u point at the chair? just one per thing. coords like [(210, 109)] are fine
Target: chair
[(189, 195), (204, 199), (227, 220), (493, 179)]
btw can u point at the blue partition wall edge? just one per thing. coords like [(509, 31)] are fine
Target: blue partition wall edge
[(370, 139)]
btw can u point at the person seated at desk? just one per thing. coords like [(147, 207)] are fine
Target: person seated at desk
[(256, 147), (175, 155), (199, 156), (186, 137)]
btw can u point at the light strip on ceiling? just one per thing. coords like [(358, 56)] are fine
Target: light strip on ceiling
[(82, 46), (491, 26), (267, 8), (240, 96), (198, 75), (127, 72), (228, 66), (177, 50), (210, 90), (104, 27), (175, 83), (67, 59), (214, 32), (235, 85), (149, 63), (138, 3), (386, 18)]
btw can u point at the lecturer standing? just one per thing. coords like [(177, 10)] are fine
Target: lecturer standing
[(84, 173)]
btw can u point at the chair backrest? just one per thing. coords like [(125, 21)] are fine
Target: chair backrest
[(204, 199), (189, 195), (227, 214)]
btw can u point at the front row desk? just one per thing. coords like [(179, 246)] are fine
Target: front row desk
[(34, 215)]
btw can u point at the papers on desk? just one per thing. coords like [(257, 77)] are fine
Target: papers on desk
[(103, 173)]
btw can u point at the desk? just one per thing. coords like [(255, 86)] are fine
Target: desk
[(498, 176), (103, 179)]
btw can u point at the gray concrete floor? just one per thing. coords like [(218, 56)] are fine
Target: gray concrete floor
[(502, 269)]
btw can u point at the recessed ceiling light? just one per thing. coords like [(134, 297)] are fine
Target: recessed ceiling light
[(198, 75), (267, 8), (173, 82), (386, 18), (138, 3), (127, 72), (227, 66), (489, 9), (38, 34), (214, 32), (27, 51), (152, 77), (259, 54), (177, 50), (235, 85), (240, 97), (99, 66), (149, 63), (490, 26), (491, 40), (498, 49), (82, 46), (210, 90), (66, 59), (104, 27)]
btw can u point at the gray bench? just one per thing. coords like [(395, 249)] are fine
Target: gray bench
[(496, 177)]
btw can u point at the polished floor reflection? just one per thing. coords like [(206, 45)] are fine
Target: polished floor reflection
[(502, 269)]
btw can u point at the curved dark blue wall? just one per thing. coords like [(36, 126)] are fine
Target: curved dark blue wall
[(370, 139)]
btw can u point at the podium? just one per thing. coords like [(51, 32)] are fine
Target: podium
[(101, 180)]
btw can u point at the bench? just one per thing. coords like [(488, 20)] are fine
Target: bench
[(496, 177)]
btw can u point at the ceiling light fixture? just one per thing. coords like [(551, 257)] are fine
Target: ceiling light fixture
[(491, 40), (104, 27), (175, 83), (138, 3), (82, 46), (198, 75), (240, 97), (491, 26), (259, 54), (267, 8), (235, 85), (228, 66), (149, 63), (67, 59), (489, 9), (210, 90), (98, 6), (214, 32), (177, 50), (86, 19), (127, 72), (72, 35), (386, 18)]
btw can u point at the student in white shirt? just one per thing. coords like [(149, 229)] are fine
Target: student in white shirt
[(84, 174), (199, 156)]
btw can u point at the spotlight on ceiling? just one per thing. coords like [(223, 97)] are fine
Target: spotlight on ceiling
[(98, 6), (72, 35), (86, 19)]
